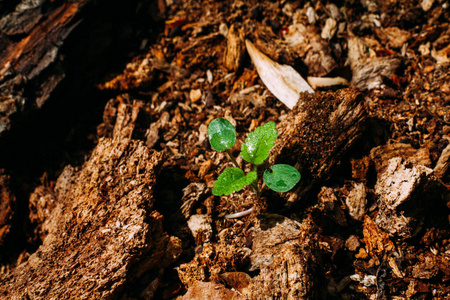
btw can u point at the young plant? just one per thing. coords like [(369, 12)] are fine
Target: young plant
[(255, 150)]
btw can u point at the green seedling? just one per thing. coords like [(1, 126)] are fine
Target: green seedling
[(280, 177)]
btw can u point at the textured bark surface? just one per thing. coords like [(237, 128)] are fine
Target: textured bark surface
[(48, 45), (23, 61), (102, 231), (317, 133), (400, 190), (286, 254), (234, 54)]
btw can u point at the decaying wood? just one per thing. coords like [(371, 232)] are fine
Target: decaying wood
[(41, 203), (284, 251), (356, 201), (315, 51), (317, 133), (213, 260), (46, 45), (235, 52), (209, 290), (328, 200), (102, 231), (400, 190), (23, 61), (381, 155), (443, 163)]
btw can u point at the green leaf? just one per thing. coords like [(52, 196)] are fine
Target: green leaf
[(256, 148), (250, 177), (281, 178), (222, 134), (231, 179)]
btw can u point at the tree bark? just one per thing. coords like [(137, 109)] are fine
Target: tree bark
[(317, 133)]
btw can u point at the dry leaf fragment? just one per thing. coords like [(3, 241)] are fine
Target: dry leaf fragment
[(282, 80)]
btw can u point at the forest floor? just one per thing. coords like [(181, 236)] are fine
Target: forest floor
[(376, 225)]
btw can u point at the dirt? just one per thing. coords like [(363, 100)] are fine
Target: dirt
[(371, 216)]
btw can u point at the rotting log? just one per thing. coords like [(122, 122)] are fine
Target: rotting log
[(103, 230), (99, 228), (317, 134)]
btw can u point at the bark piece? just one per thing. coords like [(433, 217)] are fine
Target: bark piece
[(352, 243), (127, 115), (328, 199), (103, 230), (377, 241), (275, 48), (200, 226), (41, 204), (368, 70), (285, 253), (191, 196), (209, 291), (370, 74), (443, 163), (315, 51), (397, 37), (120, 116), (141, 73), (23, 60), (317, 133), (235, 52), (427, 268), (356, 201), (360, 168), (329, 29), (381, 155), (401, 189)]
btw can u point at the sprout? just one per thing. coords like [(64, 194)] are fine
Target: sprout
[(256, 149)]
